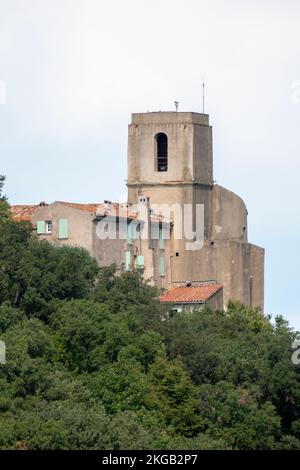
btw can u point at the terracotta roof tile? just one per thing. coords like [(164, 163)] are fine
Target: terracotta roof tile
[(192, 294), (22, 213), (92, 207), (119, 209)]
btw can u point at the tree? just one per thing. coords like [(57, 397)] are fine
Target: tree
[(177, 396), (90, 363), (234, 412), (14, 240), (5, 213)]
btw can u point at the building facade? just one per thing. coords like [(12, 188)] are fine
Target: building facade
[(189, 297), (170, 160), (170, 181)]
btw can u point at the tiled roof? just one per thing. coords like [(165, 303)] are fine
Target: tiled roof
[(82, 207), (22, 213), (193, 294), (101, 209), (117, 209)]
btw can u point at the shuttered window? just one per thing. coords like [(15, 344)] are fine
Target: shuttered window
[(161, 238), (63, 229), (162, 266), (127, 260), (140, 262), (40, 227), (129, 234)]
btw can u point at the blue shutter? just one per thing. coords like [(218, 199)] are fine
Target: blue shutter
[(40, 227), (161, 238), (63, 229), (129, 234), (162, 266), (140, 262), (127, 260)]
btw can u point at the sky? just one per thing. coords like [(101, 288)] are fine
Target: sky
[(72, 72)]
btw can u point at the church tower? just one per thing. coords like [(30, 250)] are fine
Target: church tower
[(170, 158), (170, 148), (170, 161)]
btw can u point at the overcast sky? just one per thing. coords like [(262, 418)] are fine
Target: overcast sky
[(72, 71)]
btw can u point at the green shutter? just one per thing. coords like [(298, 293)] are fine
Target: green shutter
[(127, 260), (162, 266), (63, 228), (129, 234), (140, 262), (40, 227), (161, 238)]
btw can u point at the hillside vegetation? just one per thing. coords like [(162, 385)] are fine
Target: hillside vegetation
[(91, 365)]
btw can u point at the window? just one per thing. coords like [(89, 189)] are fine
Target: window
[(48, 226), (133, 230), (162, 152), (40, 227), (140, 262), (161, 238), (127, 260), (129, 233), (63, 228), (173, 312), (162, 266)]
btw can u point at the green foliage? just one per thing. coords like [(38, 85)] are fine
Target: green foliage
[(2, 181), (239, 416), (14, 239), (91, 365), (33, 273), (48, 273), (120, 292), (9, 316), (4, 207), (177, 396)]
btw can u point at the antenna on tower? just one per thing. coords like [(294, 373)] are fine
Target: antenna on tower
[(176, 105), (203, 94)]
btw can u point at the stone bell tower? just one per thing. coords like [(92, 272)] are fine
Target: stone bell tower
[(170, 159), (169, 150)]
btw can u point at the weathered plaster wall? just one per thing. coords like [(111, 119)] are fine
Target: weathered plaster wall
[(226, 256), (189, 148), (79, 225), (229, 262), (257, 262), (228, 215)]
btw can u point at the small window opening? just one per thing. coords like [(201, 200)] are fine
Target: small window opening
[(48, 226), (162, 152)]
